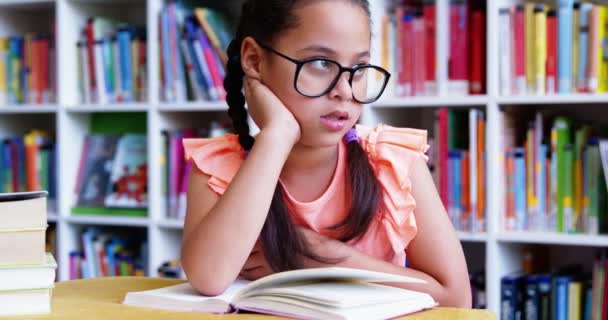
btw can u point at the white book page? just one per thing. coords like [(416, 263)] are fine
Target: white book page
[(185, 298), (322, 274)]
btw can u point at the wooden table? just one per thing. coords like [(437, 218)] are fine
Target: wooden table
[(101, 298)]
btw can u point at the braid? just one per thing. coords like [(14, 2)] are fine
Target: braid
[(233, 84)]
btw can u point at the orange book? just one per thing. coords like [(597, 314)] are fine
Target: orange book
[(593, 57)]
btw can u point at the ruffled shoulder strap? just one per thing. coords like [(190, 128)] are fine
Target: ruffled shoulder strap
[(220, 158), (391, 152)]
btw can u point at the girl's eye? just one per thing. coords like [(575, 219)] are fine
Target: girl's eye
[(322, 65)]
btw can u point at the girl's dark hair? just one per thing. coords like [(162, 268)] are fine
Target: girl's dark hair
[(283, 246)]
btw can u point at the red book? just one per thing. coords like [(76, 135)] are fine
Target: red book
[(90, 42), (519, 61), (478, 56), (44, 74), (407, 56), (442, 116), (429, 43), (419, 60), (551, 52), (459, 42)]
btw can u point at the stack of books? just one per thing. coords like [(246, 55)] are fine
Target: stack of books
[(27, 272)]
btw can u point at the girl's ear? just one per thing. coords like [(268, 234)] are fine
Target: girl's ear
[(251, 58)]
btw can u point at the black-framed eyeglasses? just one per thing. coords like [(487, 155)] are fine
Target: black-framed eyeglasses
[(315, 77)]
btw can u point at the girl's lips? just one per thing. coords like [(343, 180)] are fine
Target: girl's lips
[(333, 124)]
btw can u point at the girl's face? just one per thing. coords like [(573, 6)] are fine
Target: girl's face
[(336, 30)]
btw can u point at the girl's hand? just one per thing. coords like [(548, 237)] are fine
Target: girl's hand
[(256, 265), (324, 247), (268, 112)]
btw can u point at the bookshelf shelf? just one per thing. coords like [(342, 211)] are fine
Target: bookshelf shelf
[(28, 108), (116, 107), (439, 101), (171, 224), (553, 238), (52, 217), (108, 220), (193, 106), (472, 237), (27, 3), (553, 99)]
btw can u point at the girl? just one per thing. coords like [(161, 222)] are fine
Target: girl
[(310, 190)]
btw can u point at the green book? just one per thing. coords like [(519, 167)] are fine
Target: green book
[(568, 183), (591, 196), (560, 137)]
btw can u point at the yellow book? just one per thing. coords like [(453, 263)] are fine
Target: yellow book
[(603, 64), (3, 55), (575, 291), (540, 47), (575, 44), (529, 40), (201, 16), (386, 20)]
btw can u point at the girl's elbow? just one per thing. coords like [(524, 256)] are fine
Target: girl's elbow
[(206, 283), (204, 280), (458, 297)]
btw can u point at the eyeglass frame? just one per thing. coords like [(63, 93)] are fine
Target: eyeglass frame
[(342, 69)]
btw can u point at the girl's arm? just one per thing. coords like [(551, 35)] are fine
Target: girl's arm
[(220, 232), (435, 253)]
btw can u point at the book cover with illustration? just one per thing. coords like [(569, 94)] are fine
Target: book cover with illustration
[(95, 169), (128, 186)]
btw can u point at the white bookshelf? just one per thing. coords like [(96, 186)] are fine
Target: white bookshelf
[(498, 252)]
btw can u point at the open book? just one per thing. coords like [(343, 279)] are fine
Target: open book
[(323, 293)]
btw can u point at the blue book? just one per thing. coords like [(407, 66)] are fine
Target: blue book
[(511, 297), (564, 45), (20, 165), (520, 189), (585, 10), (7, 167), (531, 298), (108, 65), (197, 57), (543, 282), (452, 189), (561, 297), (123, 37), (169, 94)]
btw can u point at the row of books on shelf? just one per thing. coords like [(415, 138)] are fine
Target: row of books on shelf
[(27, 162), (175, 169), (569, 292), (557, 49), (113, 173), (408, 48), (557, 181), (112, 62), (27, 69), (193, 43), (457, 161), (104, 253)]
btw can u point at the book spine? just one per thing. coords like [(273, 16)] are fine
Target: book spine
[(564, 58)]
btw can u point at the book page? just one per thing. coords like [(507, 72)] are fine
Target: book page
[(323, 274), (339, 294), (183, 297)]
